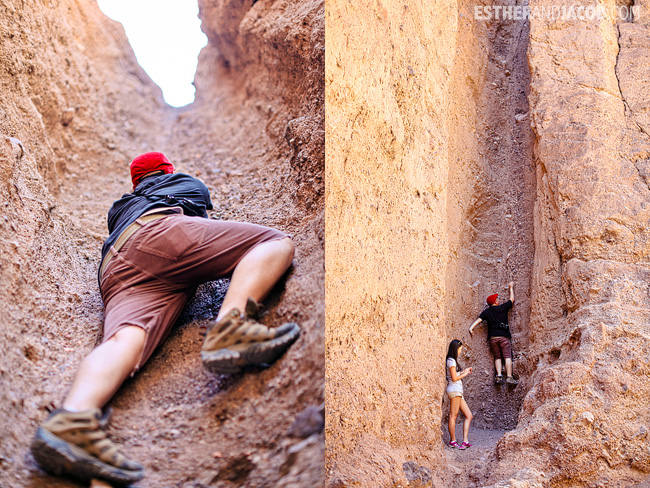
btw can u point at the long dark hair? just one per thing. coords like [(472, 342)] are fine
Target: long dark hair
[(452, 352)]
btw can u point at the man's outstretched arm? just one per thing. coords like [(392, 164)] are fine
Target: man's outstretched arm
[(471, 327), (512, 291)]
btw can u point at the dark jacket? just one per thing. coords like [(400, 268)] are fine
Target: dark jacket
[(174, 190)]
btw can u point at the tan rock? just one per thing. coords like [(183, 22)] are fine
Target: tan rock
[(591, 255)]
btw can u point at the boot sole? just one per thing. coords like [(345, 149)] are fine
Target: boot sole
[(59, 457), (229, 361)]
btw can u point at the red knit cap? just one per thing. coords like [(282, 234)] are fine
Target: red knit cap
[(148, 162), (491, 300)]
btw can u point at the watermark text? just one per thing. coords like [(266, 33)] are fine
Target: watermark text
[(556, 12)]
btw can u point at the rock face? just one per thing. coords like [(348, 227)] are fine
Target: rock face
[(453, 169), (62, 112), (586, 416), (387, 161), (268, 52), (75, 109)]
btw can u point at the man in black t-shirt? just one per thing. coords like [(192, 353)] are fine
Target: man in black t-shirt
[(496, 317)]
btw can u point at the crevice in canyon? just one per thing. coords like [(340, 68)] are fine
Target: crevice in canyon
[(496, 243), (493, 181), (618, 80), (628, 111)]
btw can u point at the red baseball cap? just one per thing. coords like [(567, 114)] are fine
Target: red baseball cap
[(491, 300), (148, 162)]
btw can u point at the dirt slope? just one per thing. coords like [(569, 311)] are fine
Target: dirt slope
[(82, 108)]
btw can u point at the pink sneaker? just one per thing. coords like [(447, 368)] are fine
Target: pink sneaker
[(454, 445), (465, 445)]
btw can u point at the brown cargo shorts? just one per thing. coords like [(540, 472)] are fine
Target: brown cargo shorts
[(156, 272), (501, 347)]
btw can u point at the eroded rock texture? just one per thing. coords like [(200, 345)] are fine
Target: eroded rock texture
[(75, 108), (586, 417), (388, 146)]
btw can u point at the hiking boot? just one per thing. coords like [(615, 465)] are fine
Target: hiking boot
[(236, 341), (511, 381), (498, 379), (75, 444)]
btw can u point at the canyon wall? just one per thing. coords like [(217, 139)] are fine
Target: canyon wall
[(272, 53), (388, 85), (585, 419), (67, 82), (75, 109)]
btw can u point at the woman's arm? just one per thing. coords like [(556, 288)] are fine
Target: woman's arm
[(455, 376)]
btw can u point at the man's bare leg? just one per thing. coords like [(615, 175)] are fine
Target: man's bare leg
[(509, 367), (497, 366), (509, 379), (257, 273), (102, 372), (233, 342), (72, 440)]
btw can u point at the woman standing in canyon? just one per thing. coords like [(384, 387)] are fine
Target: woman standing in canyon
[(455, 393)]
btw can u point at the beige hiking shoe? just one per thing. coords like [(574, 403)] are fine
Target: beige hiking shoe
[(511, 381), (237, 341), (75, 444)]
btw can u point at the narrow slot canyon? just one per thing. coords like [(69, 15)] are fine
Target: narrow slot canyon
[(492, 184), (75, 109)]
